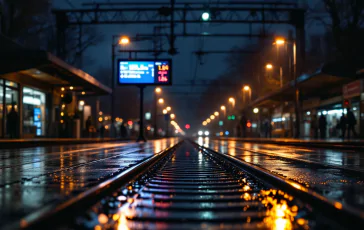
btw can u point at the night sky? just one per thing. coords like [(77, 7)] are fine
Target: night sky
[(184, 63)]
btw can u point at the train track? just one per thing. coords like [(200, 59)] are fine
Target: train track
[(191, 187)]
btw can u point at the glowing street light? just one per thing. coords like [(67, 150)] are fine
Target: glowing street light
[(255, 110), (161, 101), (246, 88), (280, 41), (173, 116), (158, 90), (82, 103), (216, 113), (208, 120), (124, 40), (165, 111), (232, 101), (204, 123), (168, 108), (205, 16), (269, 66), (212, 117), (223, 108)]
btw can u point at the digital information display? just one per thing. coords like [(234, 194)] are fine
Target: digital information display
[(144, 72)]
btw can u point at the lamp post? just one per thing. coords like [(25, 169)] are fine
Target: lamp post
[(269, 67), (248, 90), (121, 41), (156, 92)]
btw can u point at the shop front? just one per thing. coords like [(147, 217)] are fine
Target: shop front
[(40, 94)]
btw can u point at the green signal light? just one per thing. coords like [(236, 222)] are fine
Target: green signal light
[(233, 117), (229, 117)]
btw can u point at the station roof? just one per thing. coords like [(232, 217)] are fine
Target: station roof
[(45, 67), (328, 80)]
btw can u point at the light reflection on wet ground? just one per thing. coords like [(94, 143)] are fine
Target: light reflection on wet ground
[(33, 177), (330, 182)]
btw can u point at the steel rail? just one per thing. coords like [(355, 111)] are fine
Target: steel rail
[(53, 213)]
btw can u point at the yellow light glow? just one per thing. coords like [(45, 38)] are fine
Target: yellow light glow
[(223, 107), (161, 101), (255, 110), (173, 116), (100, 119), (63, 106), (83, 92), (102, 218), (71, 87), (208, 120), (216, 113), (82, 103), (124, 40), (221, 133), (62, 95), (246, 88), (165, 111), (62, 88), (106, 127), (280, 41), (169, 108), (106, 118), (158, 90), (61, 121), (231, 99), (212, 117), (62, 114), (269, 66), (204, 123), (100, 113)]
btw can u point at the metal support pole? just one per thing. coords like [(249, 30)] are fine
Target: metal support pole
[(155, 114), (112, 87), (141, 117)]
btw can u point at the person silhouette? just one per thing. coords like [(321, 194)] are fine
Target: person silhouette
[(12, 122)]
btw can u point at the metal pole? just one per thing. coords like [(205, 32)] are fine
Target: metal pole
[(141, 118), (281, 75), (155, 114), (112, 87)]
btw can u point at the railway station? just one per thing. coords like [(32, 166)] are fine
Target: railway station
[(177, 114)]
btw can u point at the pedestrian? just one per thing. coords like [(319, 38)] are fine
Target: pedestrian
[(123, 131), (266, 128), (88, 126), (314, 126), (243, 123), (322, 126), (12, 122), (351, 123), (102, 131), (342, 125)]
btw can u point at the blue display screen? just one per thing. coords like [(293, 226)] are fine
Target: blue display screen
[(141, 72)]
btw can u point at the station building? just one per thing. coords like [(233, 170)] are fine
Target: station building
[(41, 95), (329, 91)]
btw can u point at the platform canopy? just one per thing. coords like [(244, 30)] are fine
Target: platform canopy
[(46, 67)]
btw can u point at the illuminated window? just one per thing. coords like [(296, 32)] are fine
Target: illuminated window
[(34, 114)]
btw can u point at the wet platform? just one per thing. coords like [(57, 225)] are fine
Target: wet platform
[(33, 177), (336, 174), (325, 143)]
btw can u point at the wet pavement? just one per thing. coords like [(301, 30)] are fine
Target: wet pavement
[(33, 177), (328, 175)]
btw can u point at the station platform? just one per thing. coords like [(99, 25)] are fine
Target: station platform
[(32, 178), (327, 143)]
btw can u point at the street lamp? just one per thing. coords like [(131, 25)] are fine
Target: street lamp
[(270, 67), (212, 117), (158, 90), (279, 41), (232, 101), (223, 108), (124, 40), (169, 108), (161, 101), (255, 110), (216, 113), (204, 123), (208, 120), (173, 116), (165, 111), (205, 16), (249, 90)]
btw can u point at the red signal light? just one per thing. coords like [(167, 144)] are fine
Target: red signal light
[(248, 124), (187, 126), (130, 123), (346, 103)]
